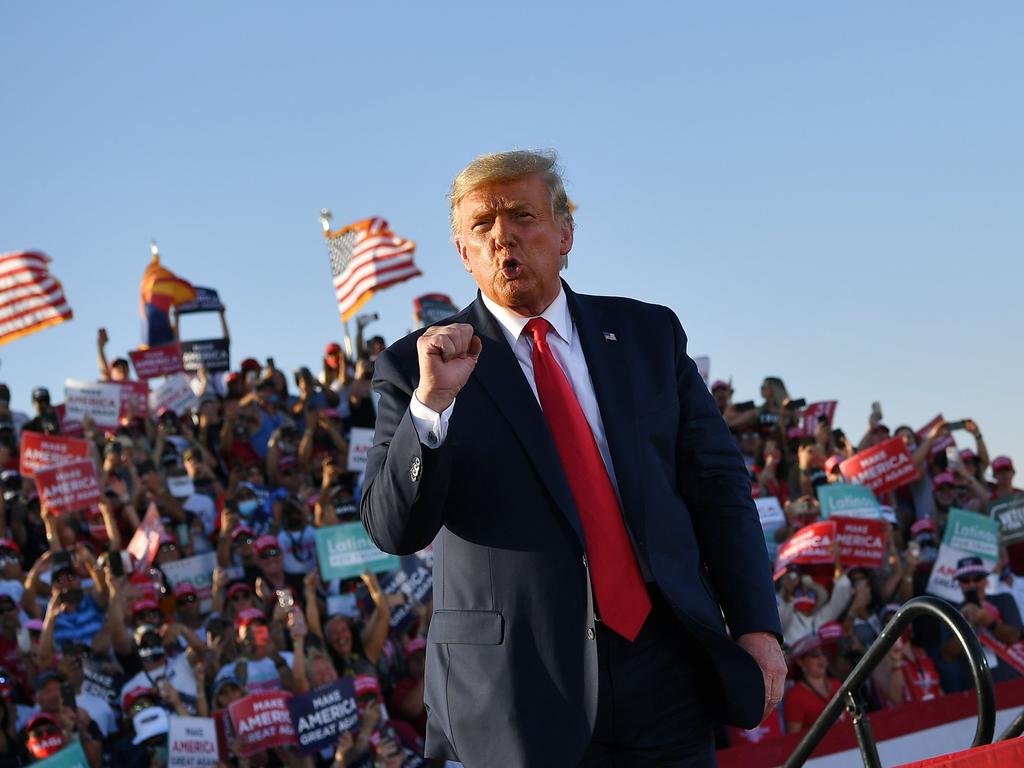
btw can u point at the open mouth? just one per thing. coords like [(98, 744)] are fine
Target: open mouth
[(511, 269)]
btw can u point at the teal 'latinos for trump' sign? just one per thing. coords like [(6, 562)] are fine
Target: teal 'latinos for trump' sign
[(847, 500), (345, 551)]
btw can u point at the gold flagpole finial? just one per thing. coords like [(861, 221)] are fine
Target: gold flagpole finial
[(325, 220), (153, 249)]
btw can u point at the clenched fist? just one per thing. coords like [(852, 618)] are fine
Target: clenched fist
[(447, 356)]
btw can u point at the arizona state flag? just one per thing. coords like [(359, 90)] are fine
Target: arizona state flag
[(161, 289)]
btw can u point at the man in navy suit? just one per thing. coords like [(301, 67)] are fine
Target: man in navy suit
[(602, 593)]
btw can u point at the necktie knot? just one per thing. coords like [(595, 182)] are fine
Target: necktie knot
[(538, 327)]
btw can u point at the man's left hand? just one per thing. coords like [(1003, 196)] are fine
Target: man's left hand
[(764, 647)]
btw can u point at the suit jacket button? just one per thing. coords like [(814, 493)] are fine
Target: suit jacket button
[(590, 633), (415, 468)]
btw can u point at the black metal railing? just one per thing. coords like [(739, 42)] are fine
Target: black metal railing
[(1014, 729), (846, 696)]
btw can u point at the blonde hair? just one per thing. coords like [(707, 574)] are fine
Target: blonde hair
[(506, 166)]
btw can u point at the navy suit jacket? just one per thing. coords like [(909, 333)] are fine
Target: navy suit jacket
[(511, 674)]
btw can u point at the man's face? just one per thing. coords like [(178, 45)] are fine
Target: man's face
[(975, 581), (512, 244)]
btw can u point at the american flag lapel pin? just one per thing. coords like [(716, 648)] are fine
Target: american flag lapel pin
[(609, 336)]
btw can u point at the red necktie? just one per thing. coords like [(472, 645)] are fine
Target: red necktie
[(621, 596)]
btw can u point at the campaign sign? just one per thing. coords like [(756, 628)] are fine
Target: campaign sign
[(414, 581), (175, 394), (811, 545), (262, 721), (1009, 513), (432, 308), (146, 540), (70, 757), (360, 441), (156, 361), (844, 500), (861, 542), (69, 487), (191, 742), (942, 442), (134, 398), (321, 715), (197, 571), (882, 468), (39, 451), (206, 300), (212, 354), (772, 519), (967, 533), (100, 400), (345, 551)]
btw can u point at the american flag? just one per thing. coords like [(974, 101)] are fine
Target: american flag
[(367, 257), (30, 297)]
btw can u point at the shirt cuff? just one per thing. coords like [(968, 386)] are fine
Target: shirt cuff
[(431, 426)]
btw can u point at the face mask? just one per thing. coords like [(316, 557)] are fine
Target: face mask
[(248, 507)]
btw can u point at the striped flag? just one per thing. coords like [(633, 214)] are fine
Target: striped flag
[(367, 257), (30, 297)]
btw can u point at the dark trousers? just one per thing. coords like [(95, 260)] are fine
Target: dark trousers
[(654, 697)]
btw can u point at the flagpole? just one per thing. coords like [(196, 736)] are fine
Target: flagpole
[(325, 222)]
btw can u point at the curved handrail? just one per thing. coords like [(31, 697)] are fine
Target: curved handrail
[(846, 695)]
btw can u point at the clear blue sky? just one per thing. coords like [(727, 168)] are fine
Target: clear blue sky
[(826, 192)]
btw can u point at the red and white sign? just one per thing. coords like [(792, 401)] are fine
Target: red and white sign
[(942, 442), (100, 400), (191, 742), (262, 721), (134, 398), (157, 361), (360, 441), (146, 541), (811, 545), (861, 542), (69, 487), (882, 468), (175, 394), (39, 451)]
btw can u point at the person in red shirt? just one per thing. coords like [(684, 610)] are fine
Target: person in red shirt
[(813, 689), (906, 674)]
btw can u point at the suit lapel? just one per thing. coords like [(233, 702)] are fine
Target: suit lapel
[(608, 364), (498, 372)]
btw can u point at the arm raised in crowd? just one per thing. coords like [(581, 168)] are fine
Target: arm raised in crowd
[(375, 632)]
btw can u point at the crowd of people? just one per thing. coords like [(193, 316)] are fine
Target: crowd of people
[(832, 613), (98, 648)]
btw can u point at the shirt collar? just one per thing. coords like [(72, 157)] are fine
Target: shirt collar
[(512, 325)]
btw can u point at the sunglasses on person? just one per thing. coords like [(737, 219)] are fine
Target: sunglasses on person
[(8, 608), (189, 598), (267, 554), (972, 579), (242, 594), (140, 704), (168, 547), (816, 654)]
